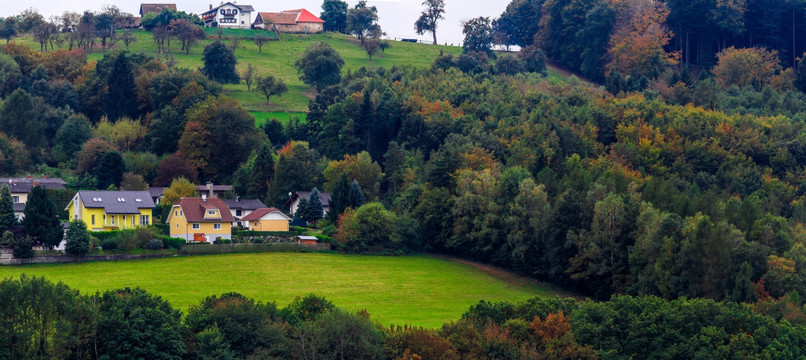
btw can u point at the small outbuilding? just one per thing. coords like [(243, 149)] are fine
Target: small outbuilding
[(304, 239), (266, 219)]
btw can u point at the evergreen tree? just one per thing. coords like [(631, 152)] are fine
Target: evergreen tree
[(314, 210), (77, 239), (41, 220), (340, 198), (302, 208), (120, 101), (262, 171), (7, 218), (109, 170), (19, 118), (357, 197), (72, 134), (219, 63)]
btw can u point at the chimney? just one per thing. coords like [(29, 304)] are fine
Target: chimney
[(210, 191), (211, 6), (238, 198)]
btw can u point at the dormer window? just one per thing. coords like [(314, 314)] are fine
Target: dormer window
[(96, 199), (138, 200), (210, 212), (121, 200)]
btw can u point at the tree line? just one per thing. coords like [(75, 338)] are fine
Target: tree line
[(43, 319)]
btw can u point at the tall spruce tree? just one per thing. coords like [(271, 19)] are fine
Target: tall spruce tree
[(357, 197), (41, 220), (340, 198), (7, 218), (314, 210), (302, 208), (109, 170), (120, 84)]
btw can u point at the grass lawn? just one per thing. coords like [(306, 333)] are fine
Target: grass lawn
[(278, 57), (419, 290)]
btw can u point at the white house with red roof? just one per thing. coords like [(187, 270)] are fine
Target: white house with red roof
[(297, 21)]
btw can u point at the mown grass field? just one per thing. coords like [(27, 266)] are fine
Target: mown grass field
[(418, 290), (277, 58)]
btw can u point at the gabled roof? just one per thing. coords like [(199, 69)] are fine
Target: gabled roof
[(245, 204), (155, 8), (24, 185), (116, 202), (324, 197), (305, 16), (259, 213), (278, 18), (246, 8), (195, 208)]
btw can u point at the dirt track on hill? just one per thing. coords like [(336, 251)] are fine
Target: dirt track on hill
[(515, 279)]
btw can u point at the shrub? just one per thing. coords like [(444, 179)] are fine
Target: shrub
[(109, 245), (173, 243), (154, 244)]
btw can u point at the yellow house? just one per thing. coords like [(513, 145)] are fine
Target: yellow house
[(266, 219), (200, 219), (112, 210)]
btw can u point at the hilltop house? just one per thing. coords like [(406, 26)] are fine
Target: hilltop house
[(20, 187), (200, 220), (299, 21), (293, 202), (155, 8), (267, 219), (229, 15), (243, 207), (111, 210)]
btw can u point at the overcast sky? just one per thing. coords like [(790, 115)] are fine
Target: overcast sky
[(397, 17)]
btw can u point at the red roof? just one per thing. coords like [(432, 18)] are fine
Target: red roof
[(259, 213), (195, 208), (305, 16)]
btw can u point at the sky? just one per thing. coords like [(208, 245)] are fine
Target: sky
[(397, 17)]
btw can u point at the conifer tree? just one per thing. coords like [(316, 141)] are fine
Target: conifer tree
[(357, 197), (314, 210), (77, 239), (119, 100), (41, 220), (7, 218), (340, 198)]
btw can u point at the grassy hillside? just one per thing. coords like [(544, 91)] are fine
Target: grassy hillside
[(278, 59), (417, 290)]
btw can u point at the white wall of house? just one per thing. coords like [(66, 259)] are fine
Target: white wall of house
[(229, 16)]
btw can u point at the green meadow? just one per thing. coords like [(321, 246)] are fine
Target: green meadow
[(418, 290), (277, 58)]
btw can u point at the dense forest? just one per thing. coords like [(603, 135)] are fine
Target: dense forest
[(678, 179), (133, 324)]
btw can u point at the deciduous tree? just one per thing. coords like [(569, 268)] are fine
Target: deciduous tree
[(219, 63), (320, 66), (427, 22), (270, 86)]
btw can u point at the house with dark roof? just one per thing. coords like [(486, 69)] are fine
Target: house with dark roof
[(228, 15), (293, 202), (267, 219), (298, 21), (155, 8), (208, 190), (111, 210), (243, 207), (200, 220), (20, 187)]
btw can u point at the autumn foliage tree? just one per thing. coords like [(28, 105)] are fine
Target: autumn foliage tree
[(754, 67), (640, 35)]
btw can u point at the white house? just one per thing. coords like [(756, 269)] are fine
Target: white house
[(229, 15)]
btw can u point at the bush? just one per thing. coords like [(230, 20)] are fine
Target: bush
[(109, 245), (173, 243), (162, 229), (220, 240), (155, 244)]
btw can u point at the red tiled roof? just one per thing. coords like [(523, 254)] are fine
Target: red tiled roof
[(305, 16), (259, 213), (155, 8), (278, 18), (195, 208)]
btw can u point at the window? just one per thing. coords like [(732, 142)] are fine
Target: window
[(121, 200), (210, 212), (223, 11), (238, 212), (217, 226), (138, 200), (97, 199), (16, 199), (113, 219), (196, 226), (234, 12), (93, 219), (134, 223), (177, 225), (144, 220), (176, 213)]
